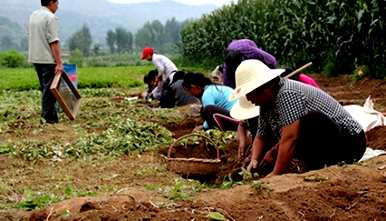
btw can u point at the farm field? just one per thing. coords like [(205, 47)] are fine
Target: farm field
[(110, 164)]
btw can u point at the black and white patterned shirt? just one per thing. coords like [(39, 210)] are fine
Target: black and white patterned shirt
[(295, 100)]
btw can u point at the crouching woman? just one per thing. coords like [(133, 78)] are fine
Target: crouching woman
[(214, 98), (296, 121)]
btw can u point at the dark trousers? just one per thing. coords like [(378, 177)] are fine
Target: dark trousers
[(46, 73), (207, 114), (322, 142), (167, 95)]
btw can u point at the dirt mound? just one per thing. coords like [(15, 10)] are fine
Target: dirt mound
[(190, 120), (122, 207), (348, 192), (334, 193), (185, 127), (376, 138)]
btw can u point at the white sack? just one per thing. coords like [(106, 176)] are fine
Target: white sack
[(366, 116)]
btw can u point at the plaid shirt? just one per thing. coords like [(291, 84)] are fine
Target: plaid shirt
[(295, 100)]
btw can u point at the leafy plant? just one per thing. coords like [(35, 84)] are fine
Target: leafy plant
[(6, 149), (182, 190), (32, 200), (213, 137), (216, 216), (229, 183), (259, 186)]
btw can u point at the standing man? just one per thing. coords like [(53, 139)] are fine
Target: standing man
[(44, 53), (166, 70)]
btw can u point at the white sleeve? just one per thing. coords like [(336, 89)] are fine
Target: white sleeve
[(52, 30)]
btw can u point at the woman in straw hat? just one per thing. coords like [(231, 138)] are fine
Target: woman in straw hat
[(236, 52), (295, 121), (214, 98)]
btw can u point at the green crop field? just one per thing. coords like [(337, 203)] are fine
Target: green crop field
[(89, 77)]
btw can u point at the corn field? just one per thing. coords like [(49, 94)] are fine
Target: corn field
[(337, 36)]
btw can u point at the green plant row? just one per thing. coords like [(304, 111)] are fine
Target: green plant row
[(337, 36), (21, 79), (90, 77), (125, 137)]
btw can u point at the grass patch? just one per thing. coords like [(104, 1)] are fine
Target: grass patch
[(182, 190), (34, 200)]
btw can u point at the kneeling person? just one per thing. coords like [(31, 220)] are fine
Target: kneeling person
[(295, 121)]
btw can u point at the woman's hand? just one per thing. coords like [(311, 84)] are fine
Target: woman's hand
[(270, 156), (252, 165), (242, 140), (198, 128)]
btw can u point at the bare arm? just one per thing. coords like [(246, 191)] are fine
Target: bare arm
[(257, 150), (242, 139), (55, 48), (287, 144)]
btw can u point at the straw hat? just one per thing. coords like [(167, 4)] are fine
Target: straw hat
[(251, 74), (244, 109)]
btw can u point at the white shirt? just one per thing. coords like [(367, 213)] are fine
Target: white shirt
[(43, 29), (165, 66)]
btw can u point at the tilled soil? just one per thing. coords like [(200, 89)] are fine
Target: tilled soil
[(347, 192), (376, 138)]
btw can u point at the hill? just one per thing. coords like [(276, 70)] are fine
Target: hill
[(102, 15)]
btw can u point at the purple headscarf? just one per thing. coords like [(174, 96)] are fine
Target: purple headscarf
[(248, 50)]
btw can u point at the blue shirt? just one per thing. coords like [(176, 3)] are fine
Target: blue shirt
[(217, 95)]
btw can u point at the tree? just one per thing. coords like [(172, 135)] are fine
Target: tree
[(120, 40), (158, 33), (111, 40), (172, 31), (81, 40), (6, 43), (164, 38), (152, 33), (144, 36), (124, 40), (96, 49)]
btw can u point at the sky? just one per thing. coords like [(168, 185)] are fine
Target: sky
[(189, 2)]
